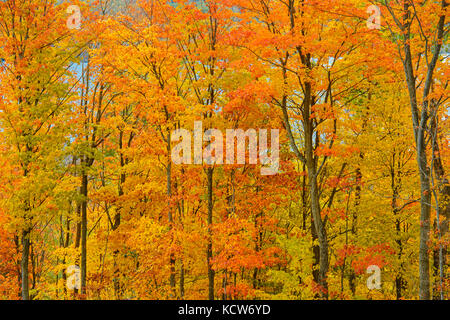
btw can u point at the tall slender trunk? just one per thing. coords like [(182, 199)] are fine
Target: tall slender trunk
[(18, 265), (258, 244), (209, 254), (442, 214), (419, 129), (24, 264), (180, 206), (65, 244), (425, 200), (400, 282), (358, 176), (26, 233), (355, 211), (316, 255), (321, 235), (84, 192), (182, 280), (78, 228), (170, 215), (304, 200), (117, 216), (311, 165), (77, 239)]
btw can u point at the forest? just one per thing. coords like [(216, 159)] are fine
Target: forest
[(224, 150)]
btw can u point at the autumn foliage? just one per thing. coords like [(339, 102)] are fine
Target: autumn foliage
[(87, 180)]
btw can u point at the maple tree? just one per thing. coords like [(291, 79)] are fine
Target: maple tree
[(91, 117)]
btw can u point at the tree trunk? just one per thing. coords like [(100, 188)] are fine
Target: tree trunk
[(311, 165), (419, 128), (84, 192), (400, 282), (316, 254), (425, 200), (24, 264), (425, 192), (18, 265), (170, 215), (358, 176), (182, 280), (443, 214), (209, 175), (419, 132), (321, 235), (116, 222)]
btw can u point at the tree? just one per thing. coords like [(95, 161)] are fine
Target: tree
[(304, 67), (418, 29), (35, 68)]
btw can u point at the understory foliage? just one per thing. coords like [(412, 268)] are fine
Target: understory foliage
[(87, 179)]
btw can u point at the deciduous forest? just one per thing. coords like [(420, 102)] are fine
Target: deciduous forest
[(94, 207)]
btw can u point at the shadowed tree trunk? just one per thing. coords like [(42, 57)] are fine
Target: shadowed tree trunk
[(420, 126)]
